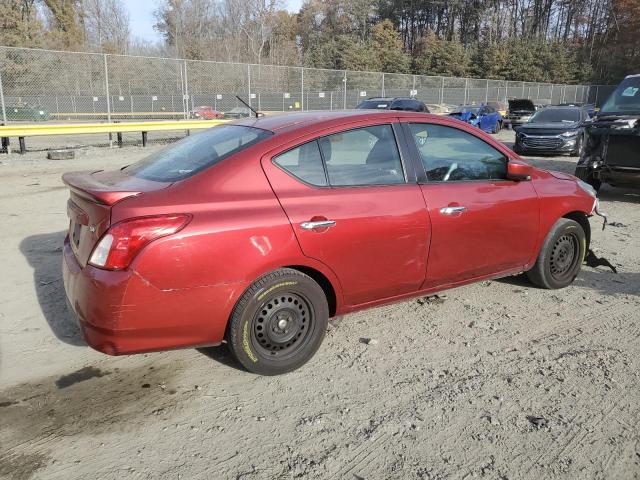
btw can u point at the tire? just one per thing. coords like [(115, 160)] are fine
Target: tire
[(561, 256), (583, 174), (257, 333), (497, 128)]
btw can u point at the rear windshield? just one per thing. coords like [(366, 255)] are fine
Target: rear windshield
[(625, 99), (553, 115), (374, 104), (196, 152)]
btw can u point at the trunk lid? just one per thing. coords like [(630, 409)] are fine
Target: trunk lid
[(93, 194)]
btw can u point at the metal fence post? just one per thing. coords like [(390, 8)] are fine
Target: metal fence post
[(186, 91), (302, 87), (344, 96), (249, 83), (383, 84), (106, 88), (486, 93), (4, 110), (442, 91)]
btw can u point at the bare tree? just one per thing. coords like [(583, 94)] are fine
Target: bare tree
[(107, 25)]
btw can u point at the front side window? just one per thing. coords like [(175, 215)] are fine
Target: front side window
[(449, 154), (305, 163), (196, 152), (363, 156)]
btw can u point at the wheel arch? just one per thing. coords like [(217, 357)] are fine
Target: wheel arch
[(322, 280), (583, 220)]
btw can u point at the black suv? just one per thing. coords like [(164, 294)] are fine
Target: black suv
[(396, 103), (611, 152)]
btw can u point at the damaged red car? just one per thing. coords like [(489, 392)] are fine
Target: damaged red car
[(256, 232)]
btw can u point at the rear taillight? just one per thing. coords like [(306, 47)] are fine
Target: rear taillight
[(124, 240)]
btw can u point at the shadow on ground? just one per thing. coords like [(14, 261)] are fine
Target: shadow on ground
[(44, 254), (600, 280)]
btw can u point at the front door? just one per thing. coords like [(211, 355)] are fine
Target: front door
[(351, 207), (482, 223)]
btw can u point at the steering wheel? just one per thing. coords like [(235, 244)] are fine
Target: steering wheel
[(452, 168)]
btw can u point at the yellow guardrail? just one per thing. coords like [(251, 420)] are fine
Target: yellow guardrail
[(41, 130)]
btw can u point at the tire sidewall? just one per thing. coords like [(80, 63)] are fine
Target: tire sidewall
[(565, 227), (254, 299)]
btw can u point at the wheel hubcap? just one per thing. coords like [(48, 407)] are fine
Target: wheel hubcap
[(281, 325), (564, 256)]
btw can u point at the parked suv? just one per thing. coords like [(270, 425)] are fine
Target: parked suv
[(612, 148), (396, 103)]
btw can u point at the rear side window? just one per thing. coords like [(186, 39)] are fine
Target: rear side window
[(305, 163), (196, 152), (363, 156), (449, 154)]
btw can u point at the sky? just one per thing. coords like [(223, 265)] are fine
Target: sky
[(141, 17)]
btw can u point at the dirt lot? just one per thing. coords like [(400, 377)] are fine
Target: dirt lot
[(498, 380)]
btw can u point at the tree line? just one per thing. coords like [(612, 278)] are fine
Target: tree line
[(561, 41)]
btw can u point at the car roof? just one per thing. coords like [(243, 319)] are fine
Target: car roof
[(391, 99), (280, 123), (564, 107)]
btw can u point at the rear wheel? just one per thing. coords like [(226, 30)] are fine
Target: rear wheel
[(279, 322), (561, 256), (498, 127)]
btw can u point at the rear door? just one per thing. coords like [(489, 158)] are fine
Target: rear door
[(354, 207), (482, 223)]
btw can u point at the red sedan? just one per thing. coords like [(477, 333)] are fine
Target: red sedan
[(206, 113), (257, 232)]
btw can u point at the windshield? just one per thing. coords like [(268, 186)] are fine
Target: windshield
[(464, 108), (625, 99), (374, 104), (196, 152), (556, 115)]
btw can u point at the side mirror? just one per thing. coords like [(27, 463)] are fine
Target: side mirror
[(518, 171)]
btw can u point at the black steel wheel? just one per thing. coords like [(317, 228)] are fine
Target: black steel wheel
[(283, 326), (279, 322), (561, 255)]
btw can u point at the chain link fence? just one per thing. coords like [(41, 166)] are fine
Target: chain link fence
[(52, 85)]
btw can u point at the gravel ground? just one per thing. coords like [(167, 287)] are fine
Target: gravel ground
[(497, 380)]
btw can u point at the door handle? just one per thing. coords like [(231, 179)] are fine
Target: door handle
[(317, 224), (452, 210)]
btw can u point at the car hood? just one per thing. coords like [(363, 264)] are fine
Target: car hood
[(522, 104), (551, 128), (464, 116), (561, 176)]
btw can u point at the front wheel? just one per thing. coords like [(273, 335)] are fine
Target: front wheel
[(279, 322), (561, 256)]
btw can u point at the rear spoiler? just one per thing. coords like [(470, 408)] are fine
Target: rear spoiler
[(85, 185)]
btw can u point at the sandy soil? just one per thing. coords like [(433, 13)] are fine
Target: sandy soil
[(498, 380)]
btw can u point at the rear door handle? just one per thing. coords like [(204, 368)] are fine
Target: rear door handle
[(452, 210), (317, 224)]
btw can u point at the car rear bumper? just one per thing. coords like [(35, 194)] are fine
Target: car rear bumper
[(120, 313)]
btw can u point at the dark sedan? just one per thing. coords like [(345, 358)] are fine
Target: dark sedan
[(552, 130)]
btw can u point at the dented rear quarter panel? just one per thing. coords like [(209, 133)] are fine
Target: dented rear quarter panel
[(237, 233)]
